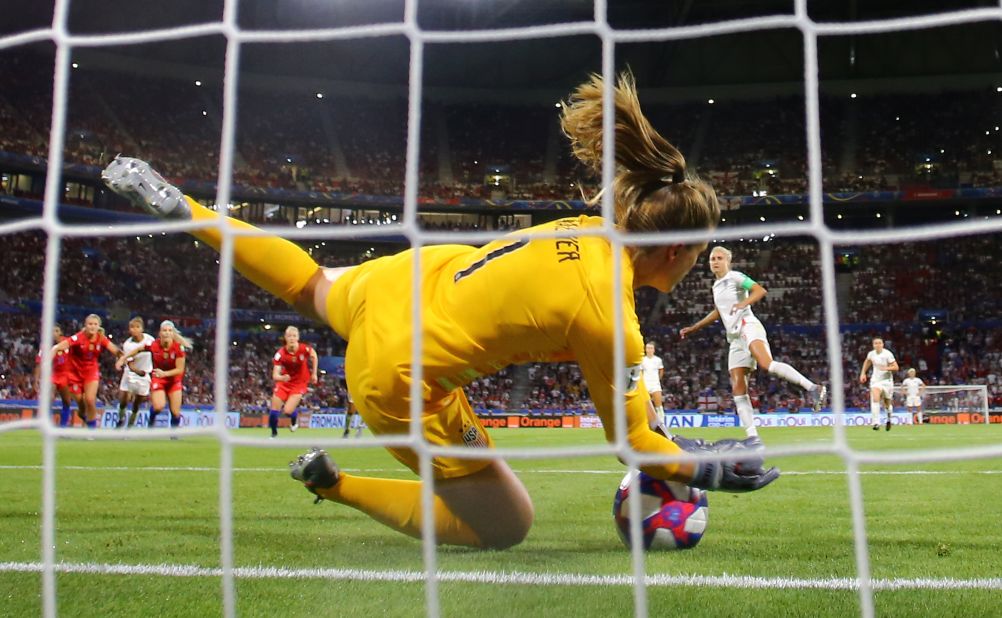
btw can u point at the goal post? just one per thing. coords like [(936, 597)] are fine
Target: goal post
[(964, 404)]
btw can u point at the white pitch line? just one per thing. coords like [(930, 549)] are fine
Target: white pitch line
[(142, 468), (521, 471), (514, 578)]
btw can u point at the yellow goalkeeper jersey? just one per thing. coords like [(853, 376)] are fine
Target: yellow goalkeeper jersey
[(513, 300)]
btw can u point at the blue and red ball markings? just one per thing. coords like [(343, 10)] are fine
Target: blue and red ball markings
[(672, 516)]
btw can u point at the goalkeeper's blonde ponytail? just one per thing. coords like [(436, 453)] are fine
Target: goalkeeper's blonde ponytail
[(652, 187)]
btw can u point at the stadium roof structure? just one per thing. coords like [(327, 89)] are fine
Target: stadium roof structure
[(954, 55)]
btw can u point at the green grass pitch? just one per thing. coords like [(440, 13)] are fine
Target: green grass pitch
[(141, 503)]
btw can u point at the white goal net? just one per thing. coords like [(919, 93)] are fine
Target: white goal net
[(950, 399), (954, 404)]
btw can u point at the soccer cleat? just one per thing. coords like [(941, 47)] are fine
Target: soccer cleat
[(819, 401), (888, 426), (876, 427), (294, 426), (139, 183), (315, 470)]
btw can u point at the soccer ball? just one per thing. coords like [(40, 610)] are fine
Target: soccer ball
[(675, 515)]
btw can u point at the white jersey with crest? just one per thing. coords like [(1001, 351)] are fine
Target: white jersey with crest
[(880, 361), (651, 366), (727, 292), (144, 360), (912, 386)]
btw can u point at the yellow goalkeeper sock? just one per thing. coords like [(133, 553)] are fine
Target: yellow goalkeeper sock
[(273, 264), (397, 503)]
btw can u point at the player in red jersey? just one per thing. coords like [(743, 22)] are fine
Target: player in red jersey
[(291, 375), (168, 371), (84, 374), (60, 376)]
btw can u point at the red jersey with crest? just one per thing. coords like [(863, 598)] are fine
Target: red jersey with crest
[(84, 353), (60, 364), (295, 364), (166, 359)]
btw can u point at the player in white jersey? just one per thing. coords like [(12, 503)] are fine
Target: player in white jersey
[(653, 369), (733, 295), (914, 393), (881, 381), (135, 384)]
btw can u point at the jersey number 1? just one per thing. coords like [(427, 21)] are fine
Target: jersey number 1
[(493, 255)]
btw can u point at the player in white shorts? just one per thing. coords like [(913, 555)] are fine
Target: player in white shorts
[(881, 381), (733, 295), (135, 383), (653, 370), (914, 393)]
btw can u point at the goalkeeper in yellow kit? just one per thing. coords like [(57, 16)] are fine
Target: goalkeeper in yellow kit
[(513, 300)]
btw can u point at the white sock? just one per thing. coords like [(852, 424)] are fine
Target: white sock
[(875, 412), (890, 412), (788, 373), (660, 411), (746, 414)]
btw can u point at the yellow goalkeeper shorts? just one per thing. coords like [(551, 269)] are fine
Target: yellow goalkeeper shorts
[(378, 376)]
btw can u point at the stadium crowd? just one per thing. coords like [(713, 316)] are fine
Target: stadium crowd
[(152, 277), (356, 145), (299, 141)]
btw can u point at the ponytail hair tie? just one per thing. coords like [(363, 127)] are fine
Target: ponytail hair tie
[(677, 177)]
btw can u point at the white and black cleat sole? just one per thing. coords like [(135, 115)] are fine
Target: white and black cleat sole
[(139, 183)]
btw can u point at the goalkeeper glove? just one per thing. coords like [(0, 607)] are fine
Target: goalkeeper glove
[(315, 470), (736, 474)]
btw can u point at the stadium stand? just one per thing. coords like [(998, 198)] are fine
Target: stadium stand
[(356, 146), (98, 273)]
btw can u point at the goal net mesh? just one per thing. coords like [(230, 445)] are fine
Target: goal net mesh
[(418, 39), (967, 402)]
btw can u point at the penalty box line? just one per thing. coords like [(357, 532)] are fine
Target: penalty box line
[(746, 582)]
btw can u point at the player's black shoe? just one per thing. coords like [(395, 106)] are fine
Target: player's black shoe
[(139, 183), (876, 427), (888, 425), (315, 470)]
